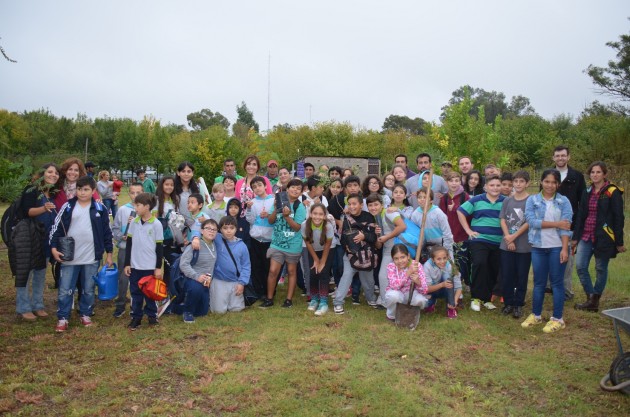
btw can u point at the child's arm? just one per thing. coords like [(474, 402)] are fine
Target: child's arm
[(447, 235), (464, 222), (322, 261), (128, 255), (251, 212), (399, 227), (109, 244), (421, 283), (394, 282), (311, 251), (159, 254)]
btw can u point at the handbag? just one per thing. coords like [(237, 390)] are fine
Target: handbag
[(249, 294), (66, 245)]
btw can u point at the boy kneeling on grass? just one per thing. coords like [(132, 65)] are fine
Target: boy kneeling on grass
[(87, 221)]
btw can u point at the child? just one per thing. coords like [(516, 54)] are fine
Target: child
[(197, 216), (400, 202), (390, 225), (147, 184), (400, 273), (144, 258), (400, 174), (318, 237), (485, 236), (388, 184), (229, 184), (373, 184), (440, 281), (334, 188), (363, 224), (436, 228), (123, 219), (472, 183), (286, 243), (231, 271), (216, 210), (506, 184), (87, 221), (234, 209), (199, 275), (314, 193), (260, 232), (167, 204), (449, 203), (516, 254)]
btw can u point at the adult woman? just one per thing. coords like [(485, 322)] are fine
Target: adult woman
[(71, 170), (284, 176), (598, 231), (31, 242), (185, 185), (199, 275), (244, 191), (105, 188), (549, 216)]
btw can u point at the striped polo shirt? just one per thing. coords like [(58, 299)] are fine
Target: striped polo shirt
[(485, 218)]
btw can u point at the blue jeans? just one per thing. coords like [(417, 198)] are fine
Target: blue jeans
[(25, 302), (111, 205), (515, 272), (447, 293), (138, 299), (197, 298), (582, 259), (546, 264), (67, 285)]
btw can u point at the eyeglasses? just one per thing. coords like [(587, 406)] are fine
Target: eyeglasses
[(210, 229), (373, 183)]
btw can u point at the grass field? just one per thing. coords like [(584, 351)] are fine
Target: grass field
[(288, 362)]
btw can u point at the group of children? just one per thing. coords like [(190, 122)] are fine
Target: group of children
[(318, 229)]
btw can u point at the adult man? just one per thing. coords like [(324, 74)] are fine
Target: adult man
[(147, 184), (272, 172), (572, 187), (89, 168), (438, 185), (229, 168), (465, 165), (309, 171), (335, 173), (401, 159)]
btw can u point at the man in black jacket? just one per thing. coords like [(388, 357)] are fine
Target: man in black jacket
[(572, 187)]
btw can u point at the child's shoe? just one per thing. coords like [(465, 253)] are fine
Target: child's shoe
[(339, 310), (355, 300), (266, 303), (188, 318), (553, 325), (281, 281), (62, 326), (489, 305), (518, 312), (287, 303), (507, 310), (475, 304), (451, 313), (134, 324), (153, 321), (322, 309), (86, 321), (428, 310), (118, 313), (312, 306), (531, 320)]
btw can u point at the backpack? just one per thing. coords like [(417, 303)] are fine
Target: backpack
[(10, 219), (409, 238), (177, 283), (153, 287), (361, 256)]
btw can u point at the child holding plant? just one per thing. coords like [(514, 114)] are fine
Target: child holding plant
[(400, 274), (442, 281)]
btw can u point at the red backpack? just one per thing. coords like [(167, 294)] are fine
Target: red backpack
[(153, 287)]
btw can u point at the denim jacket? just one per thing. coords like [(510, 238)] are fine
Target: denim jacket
[(535, 209)]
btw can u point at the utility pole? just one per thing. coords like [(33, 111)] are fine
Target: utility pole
[(86, 149), (268, 89)]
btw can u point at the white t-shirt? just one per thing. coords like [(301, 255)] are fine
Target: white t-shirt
[(549, 237), (81, 230)]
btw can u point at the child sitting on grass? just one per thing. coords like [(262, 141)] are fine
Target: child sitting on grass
[(401, 273), (441, 283)]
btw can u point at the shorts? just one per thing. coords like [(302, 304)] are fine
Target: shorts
[(282, 257)]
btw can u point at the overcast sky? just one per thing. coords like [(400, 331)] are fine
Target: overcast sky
[(355, 61)]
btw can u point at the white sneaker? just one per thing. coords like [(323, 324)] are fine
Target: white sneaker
[(489, 305), (339, 310), (475, 305), (312, 306), (161, 309), (321, 310)]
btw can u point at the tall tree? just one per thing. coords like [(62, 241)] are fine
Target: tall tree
[(396, 122), (246, 116), (614, 80), (494, 104), (205, 118)]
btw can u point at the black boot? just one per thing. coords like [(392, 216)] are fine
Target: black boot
[(594, 303), (587, 305)]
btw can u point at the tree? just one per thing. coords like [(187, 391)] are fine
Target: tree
[(4, 54), (205, 118), (414, 126), (246, 117), (614, 80), (519, 107)]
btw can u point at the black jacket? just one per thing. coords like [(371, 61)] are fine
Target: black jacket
[(608, 222), (572, 188), (26, 251)]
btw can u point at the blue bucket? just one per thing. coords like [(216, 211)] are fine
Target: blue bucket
[(107, 282)]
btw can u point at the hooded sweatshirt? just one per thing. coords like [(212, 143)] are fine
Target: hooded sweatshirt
[(242, 230), (460, 196), (436, 228)]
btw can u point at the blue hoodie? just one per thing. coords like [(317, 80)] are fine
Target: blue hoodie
[(224, 268), (242, 231)]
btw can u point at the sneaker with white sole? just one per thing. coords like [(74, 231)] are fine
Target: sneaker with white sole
[(312, 306), (322, 309), (338, 310), (162, 308), (531, 320), (475, 304), (188, 318), (62, 326), (489, 305), (86, 321), (554, 325)]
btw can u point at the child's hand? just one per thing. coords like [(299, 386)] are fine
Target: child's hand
[(306, 203), (195, 243), (317, 266), (250, 203), (359, 237), (263, 213), (392, 209), (413, 268), (158, 273), (378, 230), (450, 206), (286, 212), (56, 254), (447, 284), (130, 219), (511, 246), (109, 261), (239, 289), (128, 271)]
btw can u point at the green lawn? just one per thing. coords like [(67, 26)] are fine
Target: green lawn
[(288, 362)]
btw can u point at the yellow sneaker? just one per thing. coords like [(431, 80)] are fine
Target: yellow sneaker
[(530, 321), (553, 326)]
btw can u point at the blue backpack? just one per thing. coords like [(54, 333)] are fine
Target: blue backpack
[(177, 283)]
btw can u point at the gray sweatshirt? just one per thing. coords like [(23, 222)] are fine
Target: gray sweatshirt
[(205, 263)]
